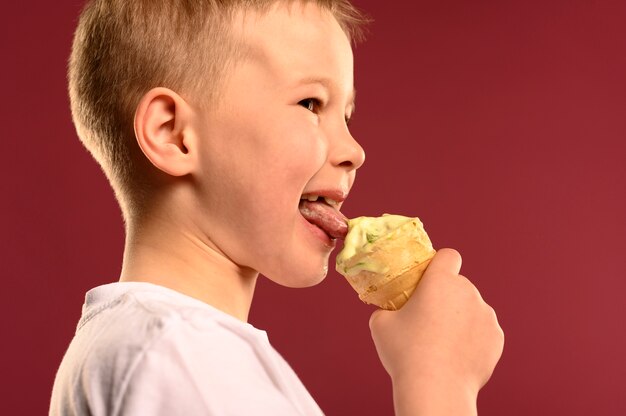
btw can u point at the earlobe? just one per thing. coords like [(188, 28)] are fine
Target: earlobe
[(162, 131)]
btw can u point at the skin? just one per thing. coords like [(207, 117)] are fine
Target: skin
[(226, 207), (235, 173), (442, 346)]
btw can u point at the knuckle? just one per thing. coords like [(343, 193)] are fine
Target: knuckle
[(471, 289), (498, 331), (464, 280), (499, 327)]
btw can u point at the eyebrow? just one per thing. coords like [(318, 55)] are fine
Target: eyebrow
[(326, 83)]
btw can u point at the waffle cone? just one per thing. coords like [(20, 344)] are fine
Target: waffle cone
[(389, 292), (405, 255)]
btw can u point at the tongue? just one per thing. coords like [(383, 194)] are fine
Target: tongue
[(326, 217)]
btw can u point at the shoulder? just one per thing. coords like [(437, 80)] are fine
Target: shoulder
[(172, 326), (145, 353), (194, 359), (156, 340)]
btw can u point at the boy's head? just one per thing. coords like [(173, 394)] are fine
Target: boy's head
[(123, 48), (241, 104)]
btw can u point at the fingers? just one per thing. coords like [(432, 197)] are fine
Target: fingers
[(444, 270), (446, 261)]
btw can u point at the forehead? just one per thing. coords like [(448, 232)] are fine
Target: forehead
[(295, 41)]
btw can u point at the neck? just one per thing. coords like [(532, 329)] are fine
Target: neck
[(167, 253)]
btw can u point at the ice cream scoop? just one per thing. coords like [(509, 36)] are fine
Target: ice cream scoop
[(383, 258)]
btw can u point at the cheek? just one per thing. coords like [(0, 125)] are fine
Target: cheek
[(291, 157), (259, 174), (305, 153)]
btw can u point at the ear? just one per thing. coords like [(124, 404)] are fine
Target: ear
[(162, 129)]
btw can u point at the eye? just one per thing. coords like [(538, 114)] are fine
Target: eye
[(310, 104)]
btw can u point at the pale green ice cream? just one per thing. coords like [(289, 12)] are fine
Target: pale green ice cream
[(362, 232)]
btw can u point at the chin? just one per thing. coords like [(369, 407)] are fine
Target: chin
[(301, 278)]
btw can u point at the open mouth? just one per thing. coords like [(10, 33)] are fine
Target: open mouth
[(323, 212), (316, 198)]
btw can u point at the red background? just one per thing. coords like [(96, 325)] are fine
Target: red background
[(501, 124)]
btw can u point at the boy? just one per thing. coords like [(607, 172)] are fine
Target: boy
[(240, 111)]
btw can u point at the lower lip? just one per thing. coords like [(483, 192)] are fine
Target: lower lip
[(319, 234)]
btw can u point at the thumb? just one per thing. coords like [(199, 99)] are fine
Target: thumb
[(445, 264), (446, 261)]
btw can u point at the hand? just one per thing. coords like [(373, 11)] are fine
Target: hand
[(443, 345)]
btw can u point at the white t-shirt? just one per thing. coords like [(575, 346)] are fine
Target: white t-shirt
[(143, 349)]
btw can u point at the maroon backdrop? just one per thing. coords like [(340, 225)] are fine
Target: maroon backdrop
[(501, 124)]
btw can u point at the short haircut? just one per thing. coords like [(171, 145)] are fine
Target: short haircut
[(124, 48)]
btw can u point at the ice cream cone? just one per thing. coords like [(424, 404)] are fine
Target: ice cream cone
[(390, 292), (386, 271)]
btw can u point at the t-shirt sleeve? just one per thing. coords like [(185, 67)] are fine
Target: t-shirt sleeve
[(188, 371)]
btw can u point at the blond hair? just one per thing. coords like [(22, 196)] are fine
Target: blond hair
[(124, 48)]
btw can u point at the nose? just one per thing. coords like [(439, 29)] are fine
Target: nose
[(347, 152)]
